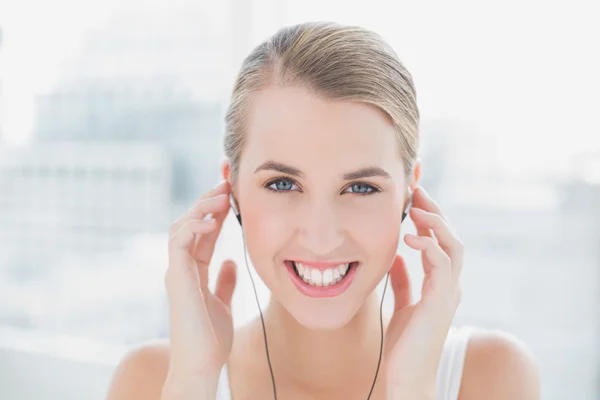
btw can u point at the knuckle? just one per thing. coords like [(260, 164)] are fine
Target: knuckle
[(447, 259), (171, 241), (175, 226), (436, 219), (429, 241), (435, 204)]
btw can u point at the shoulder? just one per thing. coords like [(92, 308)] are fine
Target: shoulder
[(498, 366), (141, 373)]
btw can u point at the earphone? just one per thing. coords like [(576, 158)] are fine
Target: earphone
[(235, 208), (238, 216)]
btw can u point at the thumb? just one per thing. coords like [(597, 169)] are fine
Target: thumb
[(226, 282), (400, 283)]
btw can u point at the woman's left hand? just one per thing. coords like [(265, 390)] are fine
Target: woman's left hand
[(417, 332)]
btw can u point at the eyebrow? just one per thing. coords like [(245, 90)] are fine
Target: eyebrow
[(358, 174)]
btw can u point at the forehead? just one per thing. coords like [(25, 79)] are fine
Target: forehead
[(292, 125)]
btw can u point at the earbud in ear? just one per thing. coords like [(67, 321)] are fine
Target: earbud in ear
[(408, 205), (235, 208)]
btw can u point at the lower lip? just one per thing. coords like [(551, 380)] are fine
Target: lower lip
[(322, 291)]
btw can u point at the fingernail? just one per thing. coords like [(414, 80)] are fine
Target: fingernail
[(418, 211)]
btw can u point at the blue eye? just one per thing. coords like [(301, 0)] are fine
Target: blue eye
[(281, 185), (362, 188)]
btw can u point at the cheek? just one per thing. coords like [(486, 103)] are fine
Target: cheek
[(265, 231), (376, 229)]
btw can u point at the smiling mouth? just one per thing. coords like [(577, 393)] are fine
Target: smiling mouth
[(322, 277)]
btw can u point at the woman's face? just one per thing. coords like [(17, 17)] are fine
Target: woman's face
[(321, 184)]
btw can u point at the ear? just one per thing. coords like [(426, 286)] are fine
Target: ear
[(415, 176), (226, 170)]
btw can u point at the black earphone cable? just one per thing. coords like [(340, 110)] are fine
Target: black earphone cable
[(387, 276), (262, 319)]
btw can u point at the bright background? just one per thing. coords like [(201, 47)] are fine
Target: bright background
[(111, 120)]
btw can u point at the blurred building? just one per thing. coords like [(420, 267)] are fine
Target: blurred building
[(181, 41), (148, 75), (67, 198), (581, 185), (125, 140), (144, 110), (455, 152)]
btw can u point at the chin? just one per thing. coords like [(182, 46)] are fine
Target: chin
[(315, 315)]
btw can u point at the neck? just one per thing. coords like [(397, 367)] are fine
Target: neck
[(325, 360)]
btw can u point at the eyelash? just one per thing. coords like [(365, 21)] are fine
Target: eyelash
[(373, 189)]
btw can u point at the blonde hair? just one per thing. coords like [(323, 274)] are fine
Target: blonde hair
[(336, 62)]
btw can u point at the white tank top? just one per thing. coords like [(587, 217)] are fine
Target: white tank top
[(449, 372)]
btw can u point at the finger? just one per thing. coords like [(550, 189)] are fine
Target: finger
[(202, 208), (422, 200), (428, 222), (400, 282), (205, 245), (445, 237), (421, 230), (424, 231), (440, 274), (186, 235), (221, 188), (226, 282), (199, 208)]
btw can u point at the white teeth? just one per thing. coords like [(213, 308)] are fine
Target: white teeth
[(336, 274), (327, 277), (316, 277)]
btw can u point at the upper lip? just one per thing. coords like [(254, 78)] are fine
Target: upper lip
[(322, 264)]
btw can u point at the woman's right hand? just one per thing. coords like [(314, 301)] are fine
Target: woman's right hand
[(201, 324)]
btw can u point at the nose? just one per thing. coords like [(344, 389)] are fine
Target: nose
[(320, 228)]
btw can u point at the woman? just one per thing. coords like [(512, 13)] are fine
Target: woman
[(322, 161)]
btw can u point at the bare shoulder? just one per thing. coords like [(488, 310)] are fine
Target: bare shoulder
[(141, 373), (498, 366)]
